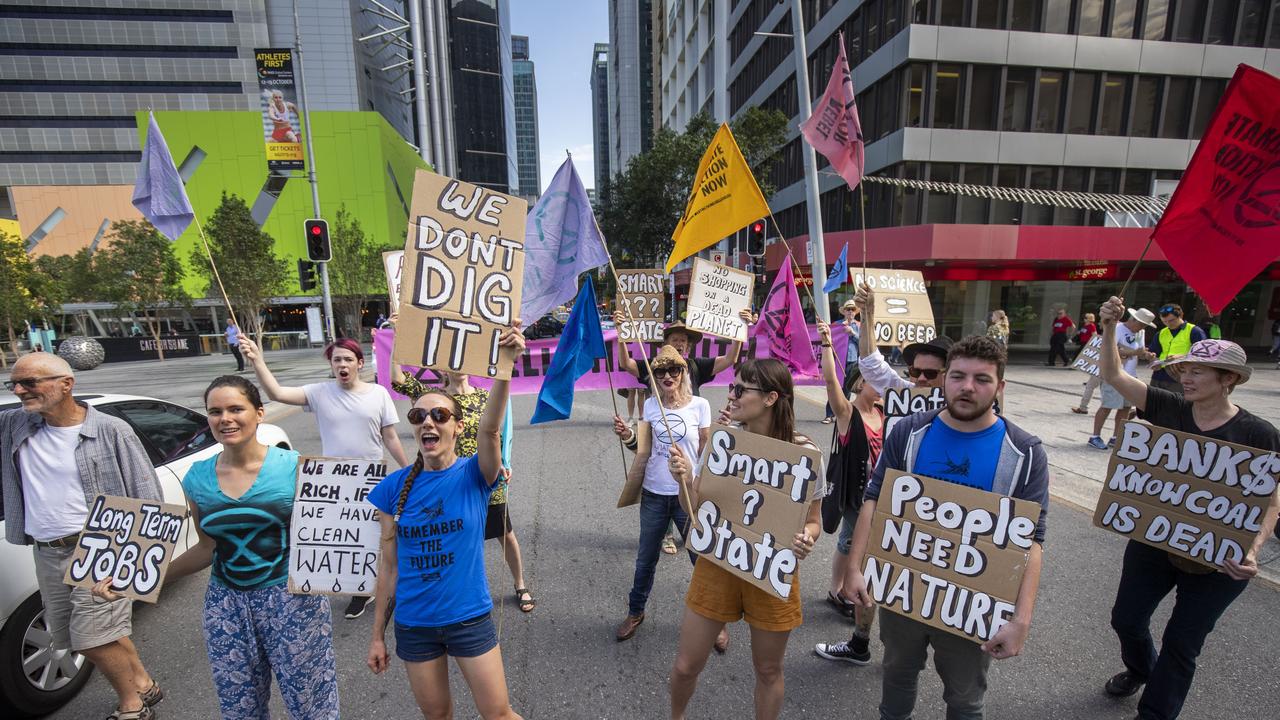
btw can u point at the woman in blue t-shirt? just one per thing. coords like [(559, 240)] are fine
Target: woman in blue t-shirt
[(433, 520)]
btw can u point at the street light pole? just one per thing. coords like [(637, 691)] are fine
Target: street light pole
[(419, 80), (311, 174), (817, 249)]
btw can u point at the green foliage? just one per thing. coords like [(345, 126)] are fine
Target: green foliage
[(17, 276), (140, 273), (251, 272), (356, 270), (640, 207)]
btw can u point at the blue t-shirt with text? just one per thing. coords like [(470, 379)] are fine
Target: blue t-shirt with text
[(964, 458), (439, 543)]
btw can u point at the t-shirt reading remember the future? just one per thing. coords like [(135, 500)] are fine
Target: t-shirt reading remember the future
[(439, 543), (684, 425), (964, 458), (350, 422)]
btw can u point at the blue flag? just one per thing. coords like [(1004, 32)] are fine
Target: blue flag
[(581, 344), (159, 193), (561, 241), (839, 272)]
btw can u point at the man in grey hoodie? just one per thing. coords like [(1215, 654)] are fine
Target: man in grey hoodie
[(966, 443)]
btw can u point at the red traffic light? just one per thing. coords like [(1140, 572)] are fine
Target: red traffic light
[(757, 227), (315, 230)]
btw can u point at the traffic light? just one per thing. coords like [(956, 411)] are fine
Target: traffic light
[(755, 239), (306, 275), (317, 232)]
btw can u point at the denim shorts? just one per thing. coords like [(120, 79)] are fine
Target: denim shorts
[(469, 638)]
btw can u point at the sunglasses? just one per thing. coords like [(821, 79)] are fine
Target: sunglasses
[(438, 415), (29, 383), (736, 390), (929, 374), (674, 372)]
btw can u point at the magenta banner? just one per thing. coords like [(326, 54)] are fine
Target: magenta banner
[(526, 376)]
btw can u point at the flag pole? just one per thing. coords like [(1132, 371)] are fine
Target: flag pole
[(214, 266), (1134, 271), (862, 214), (791, 251)]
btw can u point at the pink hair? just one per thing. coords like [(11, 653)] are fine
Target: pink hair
[(344, 344)]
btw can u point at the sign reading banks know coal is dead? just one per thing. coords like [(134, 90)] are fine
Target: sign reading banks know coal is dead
[(642, 303), (334, 531), (1196, 497), (948, 555), (903, 313), (462, 274), (128, 540), (754, 494), (717, 293)]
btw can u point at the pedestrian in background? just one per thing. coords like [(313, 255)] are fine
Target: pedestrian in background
[(1061, 332), (1132, 345), (1175, 338), (849, 311), (998, 329), (233, 343), (1088, 328), (1275, 338)]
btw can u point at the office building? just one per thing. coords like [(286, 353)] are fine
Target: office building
[(483, 94), (600, 114), (631, 110), (526, 112)]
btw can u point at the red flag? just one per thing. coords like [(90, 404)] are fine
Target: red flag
[(834, 129), (782, 321), (1222, 226)]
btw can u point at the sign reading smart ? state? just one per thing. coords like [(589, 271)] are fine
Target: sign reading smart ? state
[(948, 555), (716, 296), (754, 494), (334, 531), (903, 313), (1192, 496), (128, 540), (640, 291), (463, 265)]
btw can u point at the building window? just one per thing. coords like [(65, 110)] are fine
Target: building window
[(1057, 16), (973, 210), (1207, 99), (946, 96), (1040, 178), (941, 207), (1074, 179), (1156, 26), (984, 97), (1115, 91), (871, 11), (915, 95), (889, 108), (1253, 26), (1222, 22), (1124, 15), (1049, 102), (909, 198), (951, 12), (989, 14), (1084, 88), (1177, 108), (1006, 212), (1189, 26), (1137, 182), (1090, 21), (1017, 99), (1024, 15), (1146, 107)]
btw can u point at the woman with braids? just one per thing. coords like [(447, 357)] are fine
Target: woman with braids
[(240, 501), (761, 401), (433, 520)]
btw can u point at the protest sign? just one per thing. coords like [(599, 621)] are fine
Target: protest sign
[(947, 555), (281, 127), (1192, 496), (1089, 358), (392, 262), (903, 313), (463, 265), (334, 531), (754, 494), (904, 402), (643, 291), (716, 295), (130, 541)]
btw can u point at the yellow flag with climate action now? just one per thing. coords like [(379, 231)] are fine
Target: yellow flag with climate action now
[(725, 198)]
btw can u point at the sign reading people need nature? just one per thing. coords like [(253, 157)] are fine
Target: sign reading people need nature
[(640, 298), (1090, 356), (463, 265), (753, 497), (948, 555), (392, 264), (128, 540), (334, 531), (1192, 496), (904, 402), (717, 294), (903, 313)]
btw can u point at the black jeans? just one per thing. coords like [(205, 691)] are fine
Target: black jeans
[(235, 350), (1058, 348), (1147, 577)]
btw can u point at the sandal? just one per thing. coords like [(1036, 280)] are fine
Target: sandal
[(143, 713), (828, 420), (1079, 410), (152, 695), (525, 605), (669, 545), (841, 605)]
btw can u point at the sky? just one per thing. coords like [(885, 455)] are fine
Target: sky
[(561, 37)]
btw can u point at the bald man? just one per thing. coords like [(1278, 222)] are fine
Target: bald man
[(56, 456)]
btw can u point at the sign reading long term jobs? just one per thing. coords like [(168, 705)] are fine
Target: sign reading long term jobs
[(903, 313), (128, 540), (948, 555), (1192, 496), (642, 290), (334, 531), (278, 97), (463, 265), (1090, 356), (753, 496), (716, 296)]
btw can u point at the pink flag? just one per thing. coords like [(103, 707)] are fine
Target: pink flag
[(834, 129), (782, 322)]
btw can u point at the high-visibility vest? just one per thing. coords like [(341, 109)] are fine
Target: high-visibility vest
[(1179, 344)]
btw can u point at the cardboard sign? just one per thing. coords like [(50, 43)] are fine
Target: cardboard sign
[(904, 402), (948, 555), (716, 295), (128, 540), (1194, 497), (1090, 359), (903, 313), (643, 290), (754, 494), (392, 262), (334, 531), (463, 268)]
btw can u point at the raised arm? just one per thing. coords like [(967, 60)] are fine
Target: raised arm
[(288, 395), (865, 300), (489, 435), (1113, 374), (839, 402), (625, 362), (730, 358)]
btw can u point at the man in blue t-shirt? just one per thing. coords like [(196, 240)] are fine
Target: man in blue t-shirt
[(969, 444)]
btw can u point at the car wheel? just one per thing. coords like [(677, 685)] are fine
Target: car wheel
[(36, 679)]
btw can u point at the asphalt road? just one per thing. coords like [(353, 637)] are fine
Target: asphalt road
[(562, 661)]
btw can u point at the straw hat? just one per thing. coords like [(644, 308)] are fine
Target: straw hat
[(666, 357), (1221, 354), (695, 337)]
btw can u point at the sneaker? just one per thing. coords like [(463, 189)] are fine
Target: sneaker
[(857, 654), (1097, 443), (357, 606), (1123, 684), (1111, 443)]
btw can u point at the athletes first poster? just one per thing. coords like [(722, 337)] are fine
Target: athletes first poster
[(281, 123)]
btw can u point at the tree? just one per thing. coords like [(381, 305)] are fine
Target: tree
[(141, 273), (355, 271), (17, 276), (640, 207), (72, 277), (250, 270)]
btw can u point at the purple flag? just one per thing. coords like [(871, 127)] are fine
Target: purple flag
[(834, 129), (782, 321), (159, 193)]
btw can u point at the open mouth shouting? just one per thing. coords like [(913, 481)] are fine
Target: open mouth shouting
[(429, 441)]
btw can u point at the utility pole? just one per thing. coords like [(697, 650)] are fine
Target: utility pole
[(817, 248), (311, 175), (419, 80)]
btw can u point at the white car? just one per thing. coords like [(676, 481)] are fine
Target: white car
[(36, 679)]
